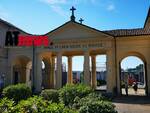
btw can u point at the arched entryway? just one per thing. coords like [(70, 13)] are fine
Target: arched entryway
[(22, 69), (133, 75)]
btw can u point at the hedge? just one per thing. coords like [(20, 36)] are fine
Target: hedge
[(17, 92)]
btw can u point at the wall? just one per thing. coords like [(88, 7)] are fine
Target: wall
[(133, 46)]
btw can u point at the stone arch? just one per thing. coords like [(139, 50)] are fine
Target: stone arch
[(139, 56), (48, 70), (20, 66), (133, 53)]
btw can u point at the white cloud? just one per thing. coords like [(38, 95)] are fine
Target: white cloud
[(56, 6), (61, 2), (111, 7), (82, 1), (59, 10), (54, 2)]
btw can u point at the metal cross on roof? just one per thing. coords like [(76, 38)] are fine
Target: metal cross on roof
[(72, 16), (81, 20)]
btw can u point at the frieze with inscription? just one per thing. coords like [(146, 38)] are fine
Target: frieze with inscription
[(78, 46)]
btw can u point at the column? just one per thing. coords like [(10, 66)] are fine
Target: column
[(38, 74), (47, 78), (86, 69), (69, 78), (118, 73), (52, 72), (111, 71), (28, 81), (58, 76), (94, 80)]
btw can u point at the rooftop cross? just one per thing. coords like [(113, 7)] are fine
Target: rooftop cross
[(72, 16), (81, 20)]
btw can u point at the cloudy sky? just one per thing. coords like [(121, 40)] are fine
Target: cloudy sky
[(42, 16)]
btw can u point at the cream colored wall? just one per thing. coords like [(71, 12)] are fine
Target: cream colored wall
[(3, 51), (13, 54), (76, 31), (133, 46), (6, 57)]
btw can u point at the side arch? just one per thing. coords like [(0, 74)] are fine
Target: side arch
[(20, 66), (133, 53), (142, 58)]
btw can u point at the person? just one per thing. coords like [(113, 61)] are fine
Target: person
[(126, 84), (135, 87), (126, 88)]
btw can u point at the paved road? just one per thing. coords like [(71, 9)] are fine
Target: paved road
[(132, 104)]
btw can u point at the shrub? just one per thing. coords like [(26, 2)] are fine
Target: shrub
[(58, 108), (93, 103), (78, 102), (17, 92), (67, 110), (98, 107), (51, 95), (69, 92), (6, 105), (31, 105), (38, 105)]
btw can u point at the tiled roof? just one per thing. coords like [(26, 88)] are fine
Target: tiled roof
[(116, 33), (7, 23), (129, 32)]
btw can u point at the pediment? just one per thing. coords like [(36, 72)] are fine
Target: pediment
[(74, 30)]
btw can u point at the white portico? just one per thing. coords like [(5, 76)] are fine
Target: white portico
[(69, 40)]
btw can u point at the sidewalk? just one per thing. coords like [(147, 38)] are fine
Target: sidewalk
[(132, 104)]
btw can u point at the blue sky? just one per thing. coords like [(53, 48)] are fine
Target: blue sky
[(42, 16)]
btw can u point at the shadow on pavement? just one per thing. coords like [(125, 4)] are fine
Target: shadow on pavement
[(132, 100)]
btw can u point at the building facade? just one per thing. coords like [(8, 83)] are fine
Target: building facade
[(23, 64)]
